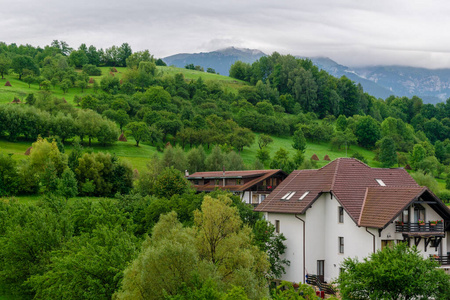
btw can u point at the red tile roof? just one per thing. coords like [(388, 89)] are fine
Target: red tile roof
[(259, 175), (355, 186)]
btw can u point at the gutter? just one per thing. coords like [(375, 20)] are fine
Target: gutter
[(304, 240), (373, 235)]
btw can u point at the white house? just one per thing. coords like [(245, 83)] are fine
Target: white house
[(252, 186), (348, 209)]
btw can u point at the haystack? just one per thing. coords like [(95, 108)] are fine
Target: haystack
[(64, 100), (113, 69), (8, 83), (28, 152), (135, 174), (314, 157), (16, 100), (168, 144), (326, 158), (111, 73), (122, 138), (91, 80), (408, 167)]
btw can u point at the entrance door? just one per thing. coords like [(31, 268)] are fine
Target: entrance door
[(321, 270)]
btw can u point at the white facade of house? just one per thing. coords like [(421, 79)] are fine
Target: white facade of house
[(322, 232)]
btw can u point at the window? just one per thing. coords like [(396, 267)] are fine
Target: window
[(288, 196), (304, 195), (380, 182), (277, 226), (238, 181), (341, 244), (263, 197), (217, 182), (405, 216), (341, 214), (196, 182), (419, 213)]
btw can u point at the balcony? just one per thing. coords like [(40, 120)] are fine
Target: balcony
[(265, 188), (416, 227), (442, 260)]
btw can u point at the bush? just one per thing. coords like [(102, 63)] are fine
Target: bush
[(444, 196), (92, 70)]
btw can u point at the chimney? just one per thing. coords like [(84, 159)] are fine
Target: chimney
[(186, 173), (223, 170)]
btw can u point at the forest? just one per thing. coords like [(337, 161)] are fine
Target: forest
[(97, 221)]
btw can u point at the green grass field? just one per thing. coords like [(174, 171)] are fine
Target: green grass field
[(20, 89)]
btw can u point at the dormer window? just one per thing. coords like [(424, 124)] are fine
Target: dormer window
[(304, 195), (380, 182)]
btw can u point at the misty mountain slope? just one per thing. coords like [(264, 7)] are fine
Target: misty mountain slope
[(380, 81), (220, 60)]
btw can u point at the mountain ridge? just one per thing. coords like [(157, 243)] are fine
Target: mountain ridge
[(381, 81)]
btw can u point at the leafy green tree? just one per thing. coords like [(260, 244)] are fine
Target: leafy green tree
[(78, 58), (264, 140), (240, 70), (299, 141), (282, 161), (271, 243), (9, 184), (367, 131), (341, 138), (234, 162), (139, 131), (341, 123), (388, 155), (89, 102), (196, 159), (20, 63), (67, 186), (171, 182), (263, 155), (399, 272), (219, 232), (417, 155), (216, 160), (66, 85), (5, 65)]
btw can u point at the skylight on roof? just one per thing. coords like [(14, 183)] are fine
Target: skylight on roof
[(380, 182), (288, 196), (304, 195)]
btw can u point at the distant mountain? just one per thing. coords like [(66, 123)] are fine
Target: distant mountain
[(432, 86), (380, 81), (220, 60)]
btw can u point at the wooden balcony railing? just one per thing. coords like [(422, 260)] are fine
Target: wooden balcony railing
[(416, 227), (442, 260), (265, 188)]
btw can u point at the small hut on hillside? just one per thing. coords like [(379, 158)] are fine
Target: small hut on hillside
[(28, 152), (122, 138)]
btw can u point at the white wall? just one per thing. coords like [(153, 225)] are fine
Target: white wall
[(292, 228), (322, 230)]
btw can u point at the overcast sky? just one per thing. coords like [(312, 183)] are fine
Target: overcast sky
[(351, 32)]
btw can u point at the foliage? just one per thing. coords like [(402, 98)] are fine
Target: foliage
[(388, 155), (271, 243), (427, 180), (399, 272), (171, 182), (9, 185), (367, 131)]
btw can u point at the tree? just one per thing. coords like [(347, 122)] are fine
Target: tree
[(67, 185), (5, 65), (9, 185), (20, 63), (139, 130), (264, 140), (271, 243), (282, 161), (388, 155), (171, 182), (417, 155), (65, 85), (240, 70), (299, 141), (219, 232), (399, 272), (367, 131)]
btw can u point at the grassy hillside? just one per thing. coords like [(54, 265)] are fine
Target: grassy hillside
[(20, 89)]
